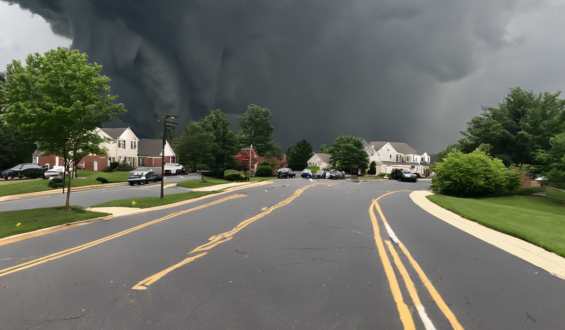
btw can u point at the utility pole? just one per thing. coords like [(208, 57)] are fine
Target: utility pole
[(166, 123)]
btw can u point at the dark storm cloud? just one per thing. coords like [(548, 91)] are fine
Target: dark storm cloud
[(324, 68)]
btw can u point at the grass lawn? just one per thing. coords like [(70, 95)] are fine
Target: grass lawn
[(14, 187), (193, 184), (536, 219), (145, 202), (34, 219), (555, 194)]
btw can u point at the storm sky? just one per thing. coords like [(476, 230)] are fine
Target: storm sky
[(385, 70)]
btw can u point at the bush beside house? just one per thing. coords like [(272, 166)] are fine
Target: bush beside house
[(233, 175), (264, 171)]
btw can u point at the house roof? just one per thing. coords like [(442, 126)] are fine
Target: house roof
[(400, 147), (150, 147), (419, 153), (324, 157), (114, 133)]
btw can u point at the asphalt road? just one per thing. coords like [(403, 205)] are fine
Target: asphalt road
[(290, 255), (87, 198)]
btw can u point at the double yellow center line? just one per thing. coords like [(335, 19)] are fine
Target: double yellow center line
[(405, 315)]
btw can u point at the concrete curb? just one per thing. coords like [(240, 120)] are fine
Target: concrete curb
[(45, 231), (535, 255), (60, 191)]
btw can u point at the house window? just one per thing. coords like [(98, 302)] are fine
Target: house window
[(172, 159), (390, 156), (119, 159)]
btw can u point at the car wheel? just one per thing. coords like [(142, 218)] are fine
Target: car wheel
[(131, 183)]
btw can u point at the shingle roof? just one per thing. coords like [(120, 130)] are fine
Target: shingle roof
[(400, 147), (150, 147), (324, 157), (114, 132)]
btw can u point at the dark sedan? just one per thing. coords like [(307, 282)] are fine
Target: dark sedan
[(285, 173), (336, 175), (408, 177), (18, 171)]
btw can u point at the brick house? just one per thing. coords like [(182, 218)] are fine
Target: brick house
[(123, 146)]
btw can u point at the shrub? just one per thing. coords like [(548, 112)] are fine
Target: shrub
[(102, 180), (34, 173), (314, 169), (113, 165), (474, 174), (382, 174), (56, 183), (123, 167), (200, 167), (233, 175), (530, 190), (373, 168), (107, 169), (264, 170)]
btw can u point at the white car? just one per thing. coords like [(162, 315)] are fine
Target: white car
[(307, 173), (174, 168), (55, 172)]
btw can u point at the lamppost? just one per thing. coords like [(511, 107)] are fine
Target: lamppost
[(166, 122)]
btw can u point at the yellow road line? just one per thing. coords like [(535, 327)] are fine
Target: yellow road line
[(405, 315), (61, 254), (152, 279), (432, 290), (411, 288), (218, 239)]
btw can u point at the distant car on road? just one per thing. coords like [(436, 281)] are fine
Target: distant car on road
[(18, 170), (336, 175), (285, 173), (395, 175), (174, 168), (142, 175), (408, 177), (306, 174)]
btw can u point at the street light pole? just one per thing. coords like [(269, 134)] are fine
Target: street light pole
[(165, 124)]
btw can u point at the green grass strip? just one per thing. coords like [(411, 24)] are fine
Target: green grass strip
[(86, 178), (209, 181), (535, 219), (34, 219), (145, 202)]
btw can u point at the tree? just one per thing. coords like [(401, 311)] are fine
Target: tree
[(274, 150), (58, 100), (14, 148), (243, 159), (225, 143), (553, 161), (256, 129), (324, 149), (373, 168), (474, 174), (520, 127), (347, 152), (299, 154), (195, 145)]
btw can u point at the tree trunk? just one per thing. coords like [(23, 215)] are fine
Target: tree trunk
[(68, 169)]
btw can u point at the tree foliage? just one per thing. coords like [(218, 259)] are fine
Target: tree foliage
[(373, 168), (225, 142), (553, 161), (347, 152), (324, 149), (299, 155), (195, 145), (474, 174), (170, 131), (242, 157), (518, 128), (256, 129), (58, 100)]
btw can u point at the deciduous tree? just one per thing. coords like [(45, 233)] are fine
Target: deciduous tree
[(347, 152), (225, 142), (256, 129), (195, 145), (57, 100), (299, 155)]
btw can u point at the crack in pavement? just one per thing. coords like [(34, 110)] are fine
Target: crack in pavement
[(195, 309), (342, 248)]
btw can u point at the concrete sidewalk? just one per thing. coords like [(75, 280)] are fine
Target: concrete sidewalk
[(535, 255)]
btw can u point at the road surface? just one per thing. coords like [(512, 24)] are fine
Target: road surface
[(294, 254)]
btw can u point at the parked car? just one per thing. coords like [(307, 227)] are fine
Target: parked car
[(322, 174), (396, 175), (334, 174), (55, 172), (285, 173), (143, 175), (408, 177), (174, 168), (306, 174), (18, 170)]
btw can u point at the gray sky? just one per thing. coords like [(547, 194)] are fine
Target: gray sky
[(383, 70)]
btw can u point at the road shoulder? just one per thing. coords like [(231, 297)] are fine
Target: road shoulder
[(549, 261)]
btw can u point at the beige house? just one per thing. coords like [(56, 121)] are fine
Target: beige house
[(121, 143), (319, 159), (397, 155)]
